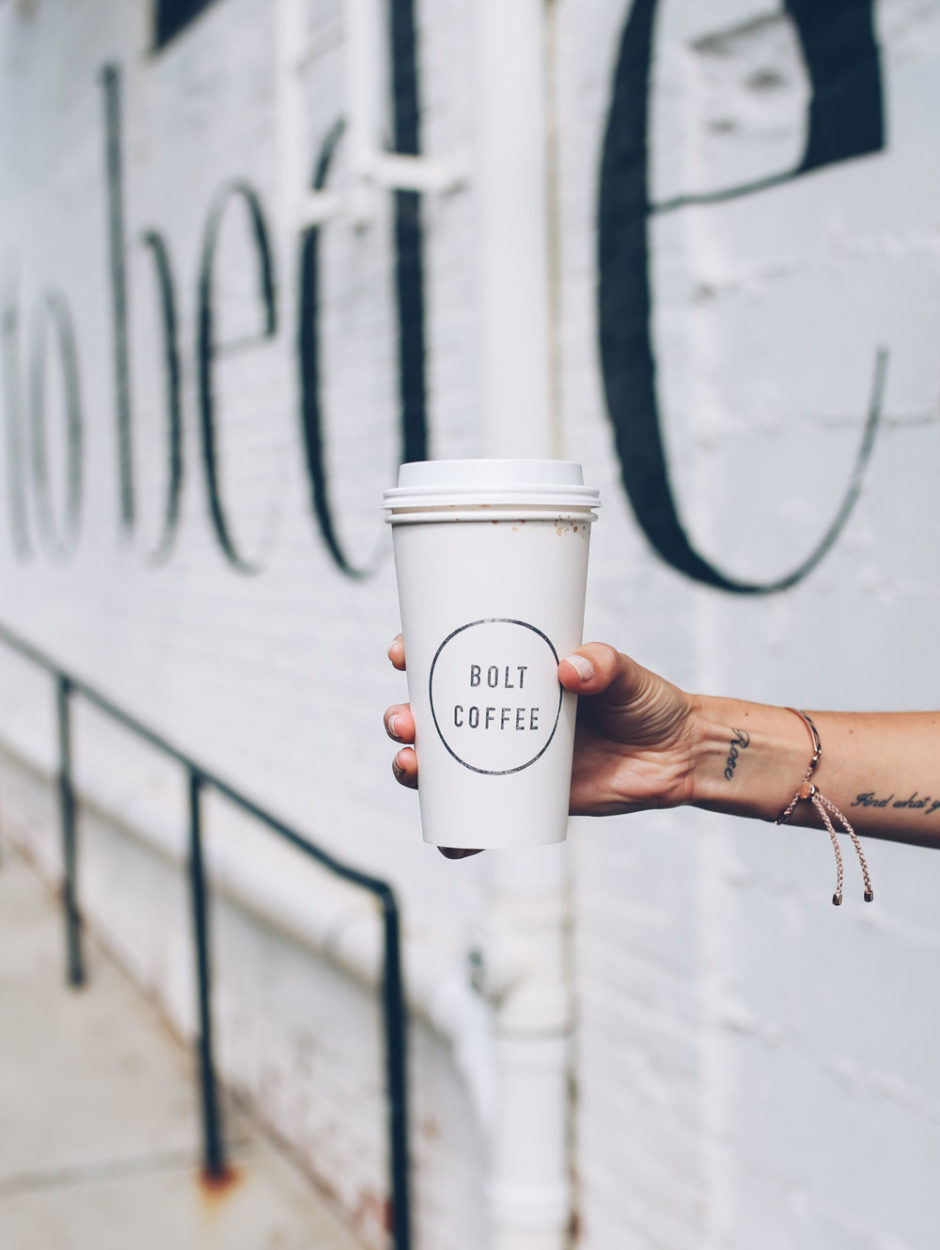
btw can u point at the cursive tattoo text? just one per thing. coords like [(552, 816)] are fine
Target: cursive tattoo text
[(914, 802), (740, 742)]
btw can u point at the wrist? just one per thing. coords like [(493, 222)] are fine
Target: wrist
[(748, 759)]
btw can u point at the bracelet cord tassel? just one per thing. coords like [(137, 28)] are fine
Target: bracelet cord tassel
[(827, 810)]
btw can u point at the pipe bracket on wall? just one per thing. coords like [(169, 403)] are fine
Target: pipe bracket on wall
[(371, 170)]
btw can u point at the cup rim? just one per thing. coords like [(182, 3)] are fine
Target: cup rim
[(488, 483)]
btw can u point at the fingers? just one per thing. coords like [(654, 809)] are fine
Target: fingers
[(400, 726), (399, 723), (405, 768), (396, 652)]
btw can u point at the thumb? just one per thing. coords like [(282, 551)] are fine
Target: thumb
[(599, 669)]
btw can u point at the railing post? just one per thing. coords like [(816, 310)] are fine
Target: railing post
[(213, 1149), (73, 920), (396, 1059)]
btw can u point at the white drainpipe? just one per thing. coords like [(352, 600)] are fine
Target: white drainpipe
[(512, 186), (531, 990), (527, 973)]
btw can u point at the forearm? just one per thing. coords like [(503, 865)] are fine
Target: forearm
[(882, 770)]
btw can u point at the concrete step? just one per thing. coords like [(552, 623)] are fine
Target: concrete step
[(99, 1123)]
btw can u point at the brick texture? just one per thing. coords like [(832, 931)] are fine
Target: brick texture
[(753, 1067)]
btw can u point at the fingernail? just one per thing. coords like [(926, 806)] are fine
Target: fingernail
[(582, 666), (393, 726)]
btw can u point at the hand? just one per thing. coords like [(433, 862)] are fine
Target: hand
[(636, 738), (400, 726)]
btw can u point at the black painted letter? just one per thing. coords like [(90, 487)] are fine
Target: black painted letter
[(16, 484), (54, 310), (845, 121), (206, 347)]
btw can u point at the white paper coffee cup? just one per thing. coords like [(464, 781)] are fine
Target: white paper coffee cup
[(491, 557)]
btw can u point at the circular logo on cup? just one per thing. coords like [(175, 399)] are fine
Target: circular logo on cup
[(495, 695)]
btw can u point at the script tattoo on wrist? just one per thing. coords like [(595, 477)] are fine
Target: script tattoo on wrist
[(740, 742), (914, 802)]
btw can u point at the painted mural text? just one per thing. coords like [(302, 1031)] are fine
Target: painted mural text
[(845, 121)]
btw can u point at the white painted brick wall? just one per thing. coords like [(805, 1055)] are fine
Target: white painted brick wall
[(753, 1066), (753, 1063)]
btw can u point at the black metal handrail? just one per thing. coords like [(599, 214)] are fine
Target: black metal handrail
[(199, 778)]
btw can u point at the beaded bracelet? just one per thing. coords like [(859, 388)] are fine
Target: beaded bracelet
[(826, 809)]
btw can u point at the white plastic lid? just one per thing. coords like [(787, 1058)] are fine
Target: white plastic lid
[(466, 483)]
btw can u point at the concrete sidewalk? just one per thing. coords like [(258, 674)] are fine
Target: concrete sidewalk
[(99, 1127)]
